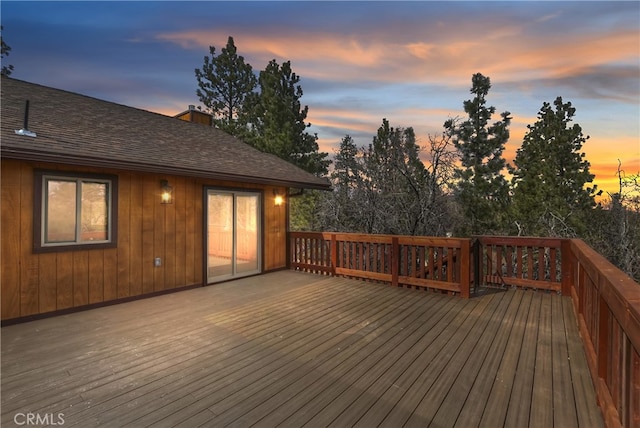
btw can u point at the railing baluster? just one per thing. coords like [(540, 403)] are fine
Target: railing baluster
[(395, 260), (553, 272), (499, 264), (519, 262), (541, 270), (404, 261), (449, 264), (530, 267), (509, 260), (433, 264)]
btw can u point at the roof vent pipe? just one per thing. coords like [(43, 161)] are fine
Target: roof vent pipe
[(25, 129)]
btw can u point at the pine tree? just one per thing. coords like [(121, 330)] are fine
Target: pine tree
[(386, 188), (342, 209), (482, 190), (277, 120), (4, 52), (396, 182), (225, 81), (342, 213), (346, 168), (551, 196)]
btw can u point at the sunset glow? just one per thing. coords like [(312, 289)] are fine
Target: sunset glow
[(359, 62)]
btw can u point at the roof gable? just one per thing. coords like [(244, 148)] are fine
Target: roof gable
[(80, 130)]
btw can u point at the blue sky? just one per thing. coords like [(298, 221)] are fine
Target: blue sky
[(359, 62)]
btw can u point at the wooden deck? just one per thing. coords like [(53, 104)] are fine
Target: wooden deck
[(296, 349)]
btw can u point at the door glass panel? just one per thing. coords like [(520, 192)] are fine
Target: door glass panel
[(247, 233), (220, 236), (233, 234)]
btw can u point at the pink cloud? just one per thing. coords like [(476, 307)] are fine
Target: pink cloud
[(443, 55), (450, 57)]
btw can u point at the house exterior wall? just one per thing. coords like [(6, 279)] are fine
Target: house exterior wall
[(38, 283)]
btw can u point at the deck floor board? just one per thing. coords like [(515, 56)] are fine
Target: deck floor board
[(542, 393), (294, 349), (495, 409), (519, 402), (475, 386)]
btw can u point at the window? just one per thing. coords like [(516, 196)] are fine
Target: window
[(74, 210)]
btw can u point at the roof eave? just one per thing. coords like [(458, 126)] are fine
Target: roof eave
[(36, 156)]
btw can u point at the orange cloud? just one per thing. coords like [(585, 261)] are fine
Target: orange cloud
[(503, 53), (447, 56), (331, 51)]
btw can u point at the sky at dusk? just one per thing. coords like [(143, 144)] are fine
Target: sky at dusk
[(359, 62)]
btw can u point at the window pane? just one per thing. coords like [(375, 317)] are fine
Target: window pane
[(94, 212), (61, 211)]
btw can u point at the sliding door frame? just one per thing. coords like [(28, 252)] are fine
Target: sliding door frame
[(260, 232)]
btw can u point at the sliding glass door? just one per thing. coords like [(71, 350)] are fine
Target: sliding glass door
[(233, 234)]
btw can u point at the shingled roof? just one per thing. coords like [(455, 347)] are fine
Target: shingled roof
[(79, 130)]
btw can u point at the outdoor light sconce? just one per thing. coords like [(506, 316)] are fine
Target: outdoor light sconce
[(278, 199), (166, 197)]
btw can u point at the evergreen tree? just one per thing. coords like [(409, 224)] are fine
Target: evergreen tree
[(303, 211), (482, 190), (225, 81), (346, 168), (386, 188), (277, 120), (397, 183), (551, 196), (340, 210)]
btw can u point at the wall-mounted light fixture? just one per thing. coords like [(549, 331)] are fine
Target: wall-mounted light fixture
[(166, 197), (278, 199)]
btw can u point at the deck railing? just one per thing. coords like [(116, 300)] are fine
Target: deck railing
[(605, 300), (607, 306), (518, 262), (431, 263)]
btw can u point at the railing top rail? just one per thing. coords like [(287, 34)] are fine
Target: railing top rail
[(360, 237), (309, 234), (382, 238), (432, 241), (521, 241)]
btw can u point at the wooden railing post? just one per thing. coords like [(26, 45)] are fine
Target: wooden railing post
[(395, 261), (291, 249), (477, 254), (465, 268), (566, 267), (334, 254)]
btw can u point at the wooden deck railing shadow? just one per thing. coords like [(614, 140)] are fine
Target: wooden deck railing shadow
[(605, 300)]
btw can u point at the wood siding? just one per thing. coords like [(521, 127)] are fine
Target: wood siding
[(40, 283)]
